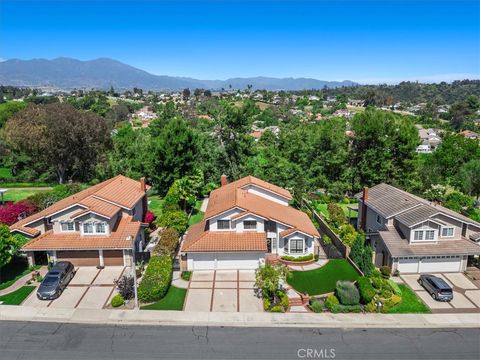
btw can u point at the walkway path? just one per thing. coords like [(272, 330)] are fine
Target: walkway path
[(177, 280), (22, 281), (316, 265)]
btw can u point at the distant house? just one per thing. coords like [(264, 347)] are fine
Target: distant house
[(313, 98), (469, 134), (343, 113), (424, 149), (429, 137), (354, 102), (413, 235)]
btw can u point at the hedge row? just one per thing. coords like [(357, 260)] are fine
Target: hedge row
[(157, 278)]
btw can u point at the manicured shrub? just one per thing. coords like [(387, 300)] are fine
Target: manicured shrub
[(156, 280), (277, 308), (331, 302), (168, 242), (376, 273), (117, 301), (186, 275), (390, 303), (378, 282), (348, 234), (174, 219), (395, 287), (346, 308), (298, 258), (366, 290), (385, 270), (283, 299), (316, 305), (361, 254), (371, 307), (347, 293)]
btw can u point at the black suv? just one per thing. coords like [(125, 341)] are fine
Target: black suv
[(436, 287), (56, 280)]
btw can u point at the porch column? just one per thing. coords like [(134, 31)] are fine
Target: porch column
[(31, 258), (100, 256)]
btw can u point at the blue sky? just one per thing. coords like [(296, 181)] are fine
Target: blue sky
[(366, 41)]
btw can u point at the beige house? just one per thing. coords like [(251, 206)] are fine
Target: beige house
[(95, 227), (413, 235)]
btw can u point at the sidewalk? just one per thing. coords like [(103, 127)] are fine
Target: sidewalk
[(179, 318)]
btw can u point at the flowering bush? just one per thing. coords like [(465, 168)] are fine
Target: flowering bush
[(12, 212), (149, 217)]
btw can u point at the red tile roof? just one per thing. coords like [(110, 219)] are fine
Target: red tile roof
[(119, 190), (74, 241), (198, 240)]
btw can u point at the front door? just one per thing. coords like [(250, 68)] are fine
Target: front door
[(269, 245)]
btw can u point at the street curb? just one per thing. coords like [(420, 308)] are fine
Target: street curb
[(181, 318)]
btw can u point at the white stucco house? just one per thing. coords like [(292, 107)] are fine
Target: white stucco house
[(244, 222)]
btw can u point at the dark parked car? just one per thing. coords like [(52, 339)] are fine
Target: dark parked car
[(56, 280), (436, 287)]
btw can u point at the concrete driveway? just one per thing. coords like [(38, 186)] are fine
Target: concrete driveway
[(223, 290), (90, 288), (466, 295)]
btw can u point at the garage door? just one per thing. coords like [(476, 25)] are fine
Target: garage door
[(440, 264), (113, 257), (235, 261), (80, 258), (408, 265), (202, 261), (225, 261)]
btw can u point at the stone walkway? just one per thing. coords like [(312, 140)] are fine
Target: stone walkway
[(22, 281), (177, 280), (316, 265)]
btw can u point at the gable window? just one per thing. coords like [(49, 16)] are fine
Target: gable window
[(91, 227), (429, 235), (418, 235), (68, 226), (249, 225), (447, 231), (88, 228), (223, 224), (296, 246), (100, 228)]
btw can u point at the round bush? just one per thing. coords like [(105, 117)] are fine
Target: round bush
[(316, 306), (331, 302), (385, 270), (117, 301), (366, 290), (347, 293)]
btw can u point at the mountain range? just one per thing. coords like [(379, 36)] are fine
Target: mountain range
[(67, 73)]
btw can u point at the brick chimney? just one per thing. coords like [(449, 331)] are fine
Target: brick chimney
[(363, 221), (223, 180), (143, 187)]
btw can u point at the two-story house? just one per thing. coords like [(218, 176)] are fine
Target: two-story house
[(413, 235), (95, 227), (244, 221)]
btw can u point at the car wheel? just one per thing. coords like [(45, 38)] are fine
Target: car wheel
[(434, 296), (420, 282)]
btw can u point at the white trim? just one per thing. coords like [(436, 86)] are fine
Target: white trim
[(93, 212), (248, 213), (67, 222), (422, 222), (268, 190), (303, 246), (24, 232), (223, 212), (100, 257), (54, 213), (297, 231), (94, 228)]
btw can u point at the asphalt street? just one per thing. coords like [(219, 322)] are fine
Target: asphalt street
[(35, 340)]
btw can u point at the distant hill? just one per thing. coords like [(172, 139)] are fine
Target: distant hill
[(67, 73)]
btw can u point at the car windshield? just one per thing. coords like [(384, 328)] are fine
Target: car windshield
[(50, 280)]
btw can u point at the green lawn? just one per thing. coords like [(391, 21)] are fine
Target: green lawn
[(172, 301), (323, 280), (13, 271), (155, 204), (411, 303), (196, 217), (5, 173), (17, 297), (322, 208), (17, 195)]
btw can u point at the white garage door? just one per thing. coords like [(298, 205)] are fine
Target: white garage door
[(440, 264), (244, 261), (218, 261), (202, 261), (408, 265)]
